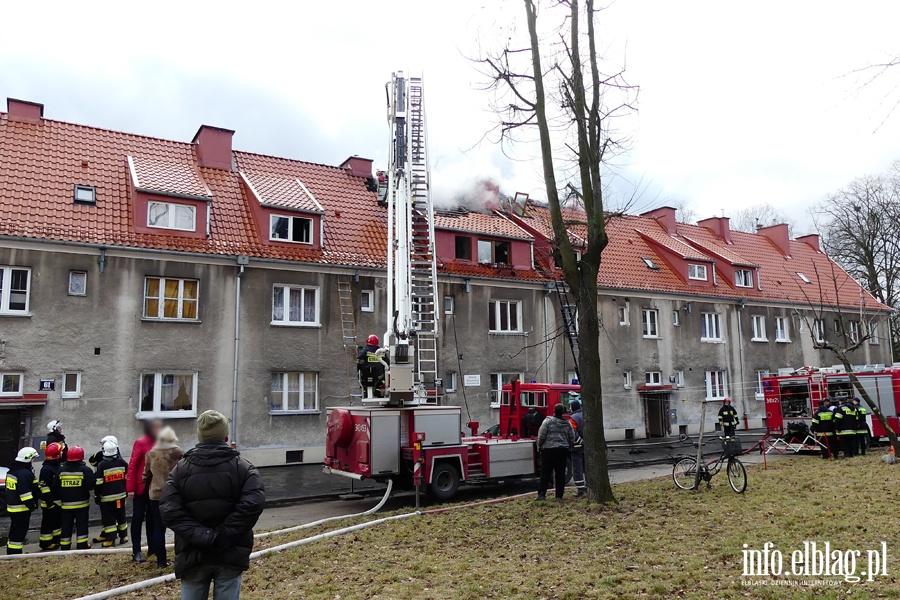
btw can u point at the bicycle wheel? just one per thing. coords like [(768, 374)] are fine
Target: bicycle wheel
[(684, 473), (737, 475)]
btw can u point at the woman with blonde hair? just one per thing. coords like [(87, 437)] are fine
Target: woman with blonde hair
[(158, 464)]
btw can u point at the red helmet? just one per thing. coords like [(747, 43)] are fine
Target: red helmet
[(372, 340), (53, 451), (75, 454)]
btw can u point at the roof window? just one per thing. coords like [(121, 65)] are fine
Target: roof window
[(650, 264), (85, 194), (803, 277)]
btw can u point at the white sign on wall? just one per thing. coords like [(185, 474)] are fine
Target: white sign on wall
[(472, 380)]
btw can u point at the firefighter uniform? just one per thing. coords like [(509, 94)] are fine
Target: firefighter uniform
[(51, 513), (21, 490), (846, 428), (862, 427), (370, 369), (728, 417), (75, 481), (823, 426), (109, 493)]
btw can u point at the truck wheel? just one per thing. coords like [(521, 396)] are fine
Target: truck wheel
[(444, 481)]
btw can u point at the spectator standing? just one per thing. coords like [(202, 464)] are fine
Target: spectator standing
[(140, 510), (212, 500), (158, 463), (577, 421), (555, 440)]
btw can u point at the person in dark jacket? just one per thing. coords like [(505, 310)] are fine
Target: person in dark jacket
[(212, 501), (21, 498), (370, 369), (555, 439), (823, 427), (75, 481), (531, 422), (846, 428), (576, 419), (110, 494), (862, 427), (728, 417), (97, 457), (55, 434), (51, 513)]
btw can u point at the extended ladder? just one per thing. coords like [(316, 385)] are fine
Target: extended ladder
[(569, 312), (348, 333), (423, 268)]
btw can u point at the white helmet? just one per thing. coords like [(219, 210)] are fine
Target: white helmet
[(110, 448), (26, 454), (54, 425), (110, 438)]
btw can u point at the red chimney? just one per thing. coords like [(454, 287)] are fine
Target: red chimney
[(23, 111), (214, 147), (358, 166), (719, 226), (665, 216), (811, 240), (779, 236)]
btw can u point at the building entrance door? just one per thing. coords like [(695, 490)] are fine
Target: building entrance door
[(656, 414), (10, 435)]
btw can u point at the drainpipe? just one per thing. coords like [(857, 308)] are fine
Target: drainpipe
[(546, 341), (742, 303), (242, 261)]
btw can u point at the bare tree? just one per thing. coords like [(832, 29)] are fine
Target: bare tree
[(759, 215), (859, 226), (684, 212), (553, 84), (854, 327)]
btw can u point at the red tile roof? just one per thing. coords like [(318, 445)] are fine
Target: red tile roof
[(282, 192), (167, 177), (492, 223)]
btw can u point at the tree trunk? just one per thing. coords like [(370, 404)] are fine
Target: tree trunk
[(892, 435)]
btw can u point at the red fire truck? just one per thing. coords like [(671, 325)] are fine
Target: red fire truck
[(796, 396), (394, 443)]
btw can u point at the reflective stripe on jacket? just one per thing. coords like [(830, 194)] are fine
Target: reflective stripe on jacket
[(823, 422), (20, 487), (46, 481), (862, 425), (847, 424), (75, 482)]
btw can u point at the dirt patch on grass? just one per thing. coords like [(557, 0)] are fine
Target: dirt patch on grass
[(659, 542)]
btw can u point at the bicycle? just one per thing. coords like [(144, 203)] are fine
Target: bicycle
[(684, 472)]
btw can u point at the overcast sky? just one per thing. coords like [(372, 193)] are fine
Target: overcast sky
[(740, 103)]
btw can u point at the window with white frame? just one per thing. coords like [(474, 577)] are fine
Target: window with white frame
[(15, 290), (716, 385), (679, 379), (760, 374), (171, 299), (626, 380), (803, 278), (498, 380), (448, 305), (853, 332), (743, 278), (294, 392), (298, 230), (367, 301), (625, 313), (873, 334), (295, 305), (505, 316), (650, 322), (167, 215), (837, 326), (450, 381), (676, 318), (77, 283), (758, 324), (653, 378), (169, 394), (10, 384), (71, 384), (485, 251), (782, 329), (533, 398), (711, 327), (696, 271), (819, 330)]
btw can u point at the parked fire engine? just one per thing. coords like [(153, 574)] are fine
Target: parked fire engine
[(406, 436), (795, 396)]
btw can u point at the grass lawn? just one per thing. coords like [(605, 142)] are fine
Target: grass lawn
[(659, 542)]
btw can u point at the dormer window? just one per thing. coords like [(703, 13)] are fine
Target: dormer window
[(743, 278), (85, 194), (298, 230), (493, 252), (697, 272), (167, 215)]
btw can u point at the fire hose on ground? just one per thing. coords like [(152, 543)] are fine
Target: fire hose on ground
[(140, 585)]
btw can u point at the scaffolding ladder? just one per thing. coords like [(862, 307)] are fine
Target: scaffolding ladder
[(348, 333), (569, 312)]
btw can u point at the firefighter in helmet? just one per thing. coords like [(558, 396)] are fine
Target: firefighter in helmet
[(50, 511), (75, 481), (846, 427), (823, 427), (109, 493), (862, 427), (370, 368), (21, 498), (728, 417)]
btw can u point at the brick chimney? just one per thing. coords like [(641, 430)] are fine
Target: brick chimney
[(358, 166), (811, 240), (23, 111), (719, 226), (665, 216), (779, 236), (214, 147)]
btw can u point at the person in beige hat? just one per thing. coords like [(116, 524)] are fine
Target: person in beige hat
[(212, 500)]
